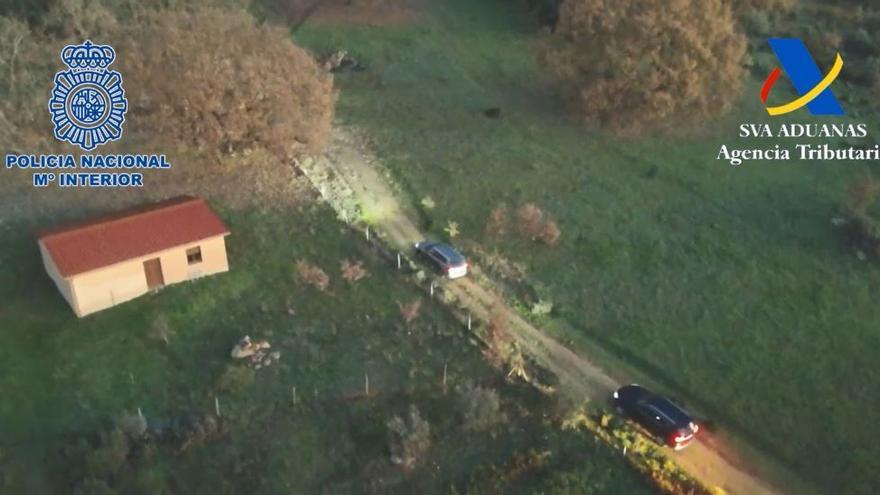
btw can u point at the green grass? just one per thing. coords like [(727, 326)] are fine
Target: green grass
[(64, 379), (727, 285)]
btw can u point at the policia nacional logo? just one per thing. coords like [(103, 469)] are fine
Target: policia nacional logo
[(88, 103)]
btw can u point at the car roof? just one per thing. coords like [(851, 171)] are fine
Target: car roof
[(447, 252), (668, 409)]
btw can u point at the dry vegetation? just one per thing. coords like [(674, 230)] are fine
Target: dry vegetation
[(226, 85), (532, 223), (535, 224), (352, 271), (410, 311), (312, 275), (498, 340), (637, 65)]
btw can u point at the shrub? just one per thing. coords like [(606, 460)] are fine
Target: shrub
[(530, 220), (312, 275), (216, 79), (452, 229), (352, 271), (408, 438), (108, 458), (498, 340), (533, 223), (480, 407), (133, 425), (496, 226), (550, 233), (654, 63), (542, 308)]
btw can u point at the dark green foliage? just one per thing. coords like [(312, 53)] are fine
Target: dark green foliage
[(545, 11), (480, 407), (94, 487), (235, 378), (109, 456)]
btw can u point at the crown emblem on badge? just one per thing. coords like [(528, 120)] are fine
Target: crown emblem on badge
[(88, 56), (88, 103)]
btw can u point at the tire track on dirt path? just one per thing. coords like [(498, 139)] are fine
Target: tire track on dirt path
[(579, 378)]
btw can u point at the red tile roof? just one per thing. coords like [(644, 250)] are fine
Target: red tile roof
[(100, 242)]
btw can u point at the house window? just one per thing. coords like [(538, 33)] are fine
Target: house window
[(194, 255)]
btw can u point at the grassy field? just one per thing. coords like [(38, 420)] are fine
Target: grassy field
[(65, 381), (727, 285)]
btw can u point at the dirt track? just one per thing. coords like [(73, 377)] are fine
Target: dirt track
[(579, 378)]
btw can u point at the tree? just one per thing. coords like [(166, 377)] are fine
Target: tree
[(648, 63), (217, 80)]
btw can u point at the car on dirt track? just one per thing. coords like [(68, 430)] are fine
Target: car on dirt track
[(443, 257), (658, 415)]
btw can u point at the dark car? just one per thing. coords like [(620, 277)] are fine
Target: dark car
[(444, 258), (657, 414)]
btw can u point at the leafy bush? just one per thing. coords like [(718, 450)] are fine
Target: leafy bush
[(542, 308), (480, 407), (312, 275), (499, 342), (108, 458), (408, 438), (134, 426), (654, 63), (352, 271), (535, 224)]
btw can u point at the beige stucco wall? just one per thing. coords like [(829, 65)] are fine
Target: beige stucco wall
[(62, 284), (105, 287)]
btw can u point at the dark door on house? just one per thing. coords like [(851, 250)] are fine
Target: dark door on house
[(153, 271)]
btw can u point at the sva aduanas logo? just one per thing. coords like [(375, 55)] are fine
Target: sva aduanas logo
[(783, 140), (813, 88), (88, 103)]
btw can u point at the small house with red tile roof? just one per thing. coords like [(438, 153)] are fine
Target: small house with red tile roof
[(106, 261)]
